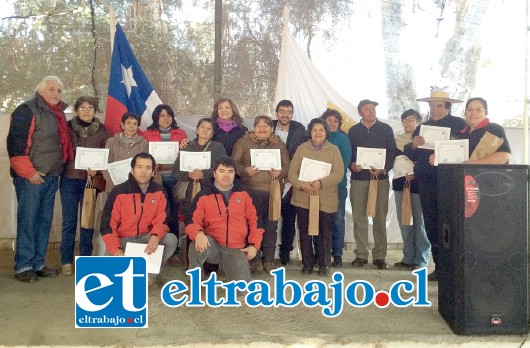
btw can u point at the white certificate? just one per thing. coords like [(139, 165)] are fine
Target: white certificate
[(432, 134), (369, 157), (164, 152), (403, 166), (95, 159), (266, 159), (119, 170), (312, 170), (451, 151), (153, 261), (189, 161)]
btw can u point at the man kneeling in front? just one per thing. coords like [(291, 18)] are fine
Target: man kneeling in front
[(224, 228), (137, 211)]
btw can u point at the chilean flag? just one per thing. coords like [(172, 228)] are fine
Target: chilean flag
[(129, 89)]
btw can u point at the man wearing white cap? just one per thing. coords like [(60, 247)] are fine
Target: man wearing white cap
[(426, 174)]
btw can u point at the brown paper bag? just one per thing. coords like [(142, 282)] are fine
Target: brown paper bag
[(487, 145), (195, 189), (275, 200), (372, 197), (88, 210), (314, 210), (406, 206)]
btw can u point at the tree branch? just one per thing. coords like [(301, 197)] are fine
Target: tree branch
[(93, 72)]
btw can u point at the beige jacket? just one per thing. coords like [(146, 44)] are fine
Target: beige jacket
[(329, 200), (241, 155), (119, 151)]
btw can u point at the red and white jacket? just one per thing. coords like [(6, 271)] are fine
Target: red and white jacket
[(177, 134), (233, 224), (129, 212)]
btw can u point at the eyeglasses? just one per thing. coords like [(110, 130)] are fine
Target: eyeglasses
[(409, 120), (87, 108)]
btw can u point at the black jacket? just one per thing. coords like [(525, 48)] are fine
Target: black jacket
[(297, 135), (228, 139)]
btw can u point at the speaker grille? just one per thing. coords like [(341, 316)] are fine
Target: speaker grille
[(483, 279)]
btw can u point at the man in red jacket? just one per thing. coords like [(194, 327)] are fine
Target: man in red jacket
[(224, 228), (137, 211)]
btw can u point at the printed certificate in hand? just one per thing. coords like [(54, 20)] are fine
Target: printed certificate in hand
[(164, 152), (370, 157), (154, 261), (451, 151), (189, 161), (119, 170), (432, 134), (312, 170), (266, 159), (95, 159)]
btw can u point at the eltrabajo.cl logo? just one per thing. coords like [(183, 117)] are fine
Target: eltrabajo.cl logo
[(110, 292)]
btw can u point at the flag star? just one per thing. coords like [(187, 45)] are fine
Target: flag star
[(128, 79)]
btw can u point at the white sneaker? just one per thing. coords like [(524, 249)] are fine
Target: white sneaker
[(67, 269)]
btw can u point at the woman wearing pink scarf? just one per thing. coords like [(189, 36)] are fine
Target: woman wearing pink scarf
[(228, 123)]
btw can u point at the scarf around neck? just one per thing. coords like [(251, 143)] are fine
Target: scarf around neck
[(83, 129), (128, 142), (64, 134), (226, 125)]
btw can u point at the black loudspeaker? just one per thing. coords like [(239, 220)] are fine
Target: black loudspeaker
[(483, 234)]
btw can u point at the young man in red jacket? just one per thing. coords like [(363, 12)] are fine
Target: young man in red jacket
[(137, 211), (224, 228)]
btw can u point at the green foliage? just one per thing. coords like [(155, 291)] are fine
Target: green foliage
[(71, 39)]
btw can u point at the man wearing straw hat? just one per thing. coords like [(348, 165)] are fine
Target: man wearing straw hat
[(426, 174)]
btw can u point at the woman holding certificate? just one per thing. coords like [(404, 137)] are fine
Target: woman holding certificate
[(262, 158), (416, 245), (86, 131), (125, 144), (228, 123), (341, 140), (202, 143), (164, 128), (316, 170), (488, 143)]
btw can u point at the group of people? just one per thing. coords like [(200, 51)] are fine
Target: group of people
[(227, 207)]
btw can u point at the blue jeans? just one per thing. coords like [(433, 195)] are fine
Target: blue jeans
[(339, 225), (34, 221), (72, 191), (416, 246)]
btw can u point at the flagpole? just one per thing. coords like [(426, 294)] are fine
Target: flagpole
[(112, 23), (525, 112)]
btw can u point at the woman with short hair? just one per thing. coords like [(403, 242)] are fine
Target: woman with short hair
[(258, 182), (320, 149), (86, 130), (125, 144)]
